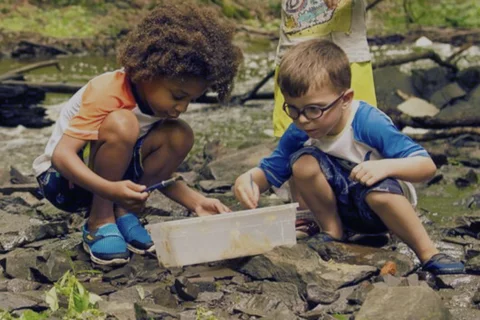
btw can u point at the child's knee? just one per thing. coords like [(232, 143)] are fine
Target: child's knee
[(306, 168), (120, 126), (378, 199), (178, 135)]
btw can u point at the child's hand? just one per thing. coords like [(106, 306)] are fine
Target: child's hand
[(370, 172), (210, 206), (332, 4), (128, 195), (247, 191)]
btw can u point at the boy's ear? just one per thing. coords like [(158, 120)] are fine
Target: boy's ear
[(348, 97)]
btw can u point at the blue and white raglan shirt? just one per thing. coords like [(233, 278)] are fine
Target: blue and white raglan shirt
[(369, 135)]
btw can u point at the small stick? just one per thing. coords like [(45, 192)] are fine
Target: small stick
[(163, 184)]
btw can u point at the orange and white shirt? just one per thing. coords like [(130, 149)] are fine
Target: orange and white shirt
[(82, 116)]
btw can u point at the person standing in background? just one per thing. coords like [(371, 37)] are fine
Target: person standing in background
[(342, 22)]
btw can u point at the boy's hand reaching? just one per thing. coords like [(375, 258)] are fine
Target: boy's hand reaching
[(128, 195), (210, 206), (247, 191), (370, 172)]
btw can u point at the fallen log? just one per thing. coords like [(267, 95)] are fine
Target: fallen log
[(415, 57), (14, 73), (444, 133), (47, 87)]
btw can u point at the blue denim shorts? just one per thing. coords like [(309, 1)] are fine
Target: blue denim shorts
[(69, 197), (354, 211)]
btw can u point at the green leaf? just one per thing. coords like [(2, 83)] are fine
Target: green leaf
[(51, 299)]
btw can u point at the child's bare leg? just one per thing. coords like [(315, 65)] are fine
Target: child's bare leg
[(296, 196), (399, 216), (317, 194), (163, 150), (111, 154)]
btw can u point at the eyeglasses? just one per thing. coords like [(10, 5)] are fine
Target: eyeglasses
[(311, 111)]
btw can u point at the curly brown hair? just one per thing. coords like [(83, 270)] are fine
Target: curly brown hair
[(180, 39)]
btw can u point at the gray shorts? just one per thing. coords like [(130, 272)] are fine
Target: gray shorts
[(354, 211)]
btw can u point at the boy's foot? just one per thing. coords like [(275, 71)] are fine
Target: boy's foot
[(325, 237), (106, 245), (137, 238), (442, 263), (306, 228)]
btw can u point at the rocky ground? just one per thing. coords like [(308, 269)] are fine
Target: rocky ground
[(312, 280)]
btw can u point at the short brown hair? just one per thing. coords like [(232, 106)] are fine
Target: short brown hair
[(182, 39), (314, 63)]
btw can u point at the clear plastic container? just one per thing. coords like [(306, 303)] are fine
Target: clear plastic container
[(223, 236)]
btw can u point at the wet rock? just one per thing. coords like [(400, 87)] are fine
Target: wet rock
[(49, 212), (360, 255), (229, 167), (403, 303), (18, 263), (122, 310), (160, 205), (320, 294), (163, 297), (209, 296), (461, 113), (390, 280), (185, 289), (20, 285), (122, 272), (213, 150), (473, 265), (359, 295), (301, 265), (159, 312), (453, 281), (447, 95), (469, 78), (131, 294), (29, 199), (263, 306), (285, 292), (387, 80), (215, 186), (317, 315), (428, 81), (416, 107), (474, 202), (99, 288), (16, 206), (476, 298), (341, 305), (9, 301), (204, 283), (466, 181), (57, 264)]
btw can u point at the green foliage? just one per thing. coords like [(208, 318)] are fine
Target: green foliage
[(205, 314), (80, 303), (448, 13), (74, 21)]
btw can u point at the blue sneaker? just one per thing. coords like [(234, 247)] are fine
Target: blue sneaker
[(442, 263), (137, 238), (106, 245)]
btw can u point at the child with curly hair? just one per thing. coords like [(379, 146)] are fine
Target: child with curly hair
[(121, 132)]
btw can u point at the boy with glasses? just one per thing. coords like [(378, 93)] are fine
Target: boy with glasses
[(351, 165)]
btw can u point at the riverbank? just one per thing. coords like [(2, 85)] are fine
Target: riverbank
[(95, 27)]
